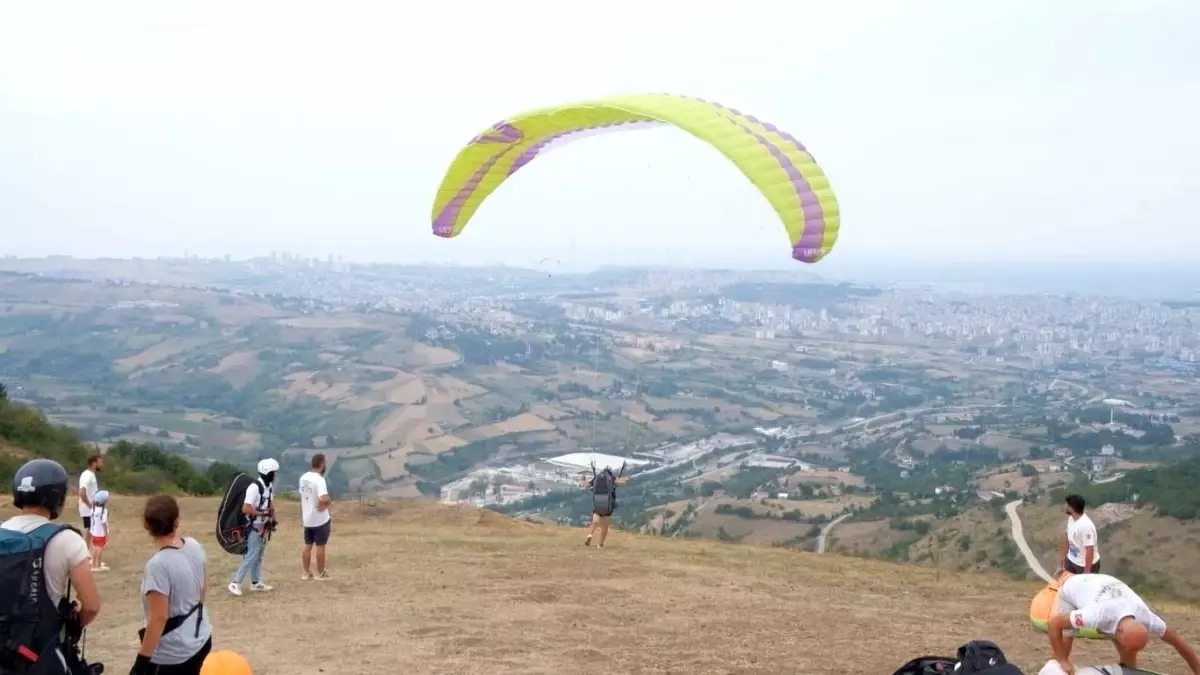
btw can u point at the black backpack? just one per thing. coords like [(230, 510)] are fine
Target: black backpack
[(32, 627), (984, 657), (233, 526), (604, 493), (603, 484), (928, 665)]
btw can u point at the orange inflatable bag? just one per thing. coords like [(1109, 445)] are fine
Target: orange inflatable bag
[(1042, 607)]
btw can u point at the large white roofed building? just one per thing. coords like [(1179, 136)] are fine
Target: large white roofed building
[(581, 461)]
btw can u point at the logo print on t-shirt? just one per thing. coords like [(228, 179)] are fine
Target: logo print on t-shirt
[(1110, 591), (1077, 618)]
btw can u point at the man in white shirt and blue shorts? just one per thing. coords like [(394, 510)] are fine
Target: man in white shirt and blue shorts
[(314, 510)]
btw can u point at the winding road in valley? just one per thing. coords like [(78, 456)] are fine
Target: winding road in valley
[(824, 537), (1018, 535)]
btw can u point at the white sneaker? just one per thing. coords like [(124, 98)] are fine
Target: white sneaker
[(261, 587), (307, 576), (322, 576), (235, 588), (103, 566)]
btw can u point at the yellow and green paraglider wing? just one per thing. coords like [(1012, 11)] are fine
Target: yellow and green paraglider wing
[(779, 165)]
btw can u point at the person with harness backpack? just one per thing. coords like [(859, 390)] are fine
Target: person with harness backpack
[(257, 506), (40, 562), (604, 500), (177, 634)]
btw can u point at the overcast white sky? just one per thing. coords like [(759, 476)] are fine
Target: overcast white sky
[(1029, 130)]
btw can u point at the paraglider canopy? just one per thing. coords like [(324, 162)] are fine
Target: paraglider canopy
[(776, 163)]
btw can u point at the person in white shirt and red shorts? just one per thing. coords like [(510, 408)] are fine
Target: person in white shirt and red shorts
[(99, 530)]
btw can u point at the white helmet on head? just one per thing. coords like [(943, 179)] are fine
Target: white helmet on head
[(268, 465)]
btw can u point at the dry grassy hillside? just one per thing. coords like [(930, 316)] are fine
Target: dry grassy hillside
[(419, 588)]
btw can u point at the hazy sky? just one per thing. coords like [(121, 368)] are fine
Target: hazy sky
[(1028, 130)]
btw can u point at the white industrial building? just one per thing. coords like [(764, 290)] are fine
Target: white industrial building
[(584, 461)]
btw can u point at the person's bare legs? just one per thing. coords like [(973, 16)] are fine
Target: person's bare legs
[(306, 560), (592, 531), (320, 560), (603, 530), (97, 557)]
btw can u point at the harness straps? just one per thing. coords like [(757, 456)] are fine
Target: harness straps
[(174, 622)]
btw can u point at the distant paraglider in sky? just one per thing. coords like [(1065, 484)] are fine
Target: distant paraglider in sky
[(775, 162), (550, 265)]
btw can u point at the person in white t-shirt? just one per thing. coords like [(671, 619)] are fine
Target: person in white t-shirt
[(1080, 554), (259, 506), (99, 530), (88, 485), (314, 509), (1107, 605)]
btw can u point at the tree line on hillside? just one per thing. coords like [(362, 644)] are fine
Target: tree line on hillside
[(132, 468), (1171, 488)]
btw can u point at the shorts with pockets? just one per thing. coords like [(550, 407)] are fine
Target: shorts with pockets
[(87, 524), (318, 536)]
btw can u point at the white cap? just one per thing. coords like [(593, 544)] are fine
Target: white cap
[(267, 465)]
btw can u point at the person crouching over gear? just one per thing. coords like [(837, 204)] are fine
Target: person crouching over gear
[(1112, 608), (259, 505), (40, 562), (604, 501)]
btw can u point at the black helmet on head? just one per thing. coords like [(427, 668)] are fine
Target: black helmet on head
[(40, 483)]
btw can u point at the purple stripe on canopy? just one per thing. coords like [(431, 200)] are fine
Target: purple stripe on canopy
[(443, 225), (574, 135), (808, 248), (501, 132)]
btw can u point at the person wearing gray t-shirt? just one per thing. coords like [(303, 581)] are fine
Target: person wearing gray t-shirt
[(178, 633)]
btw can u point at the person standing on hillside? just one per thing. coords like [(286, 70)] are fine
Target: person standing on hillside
[(176, 635), (99, 530), (48, 630), (604, 502), (314, 510), (1080, 555), (88, 485), (1113, 609), (259, 506)]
